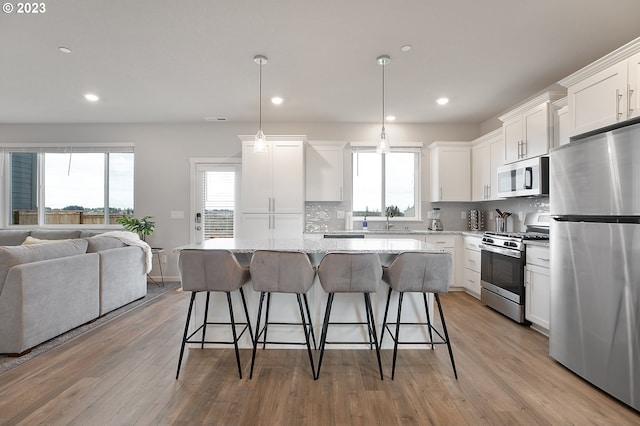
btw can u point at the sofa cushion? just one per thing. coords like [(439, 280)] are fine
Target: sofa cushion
[(91, 232), (15, 255), (55, 234), (12, 237), (97, 244), (30, 240)]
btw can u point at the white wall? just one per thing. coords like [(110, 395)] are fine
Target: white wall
[(163, 152)]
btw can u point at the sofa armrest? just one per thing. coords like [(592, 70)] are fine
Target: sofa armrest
[(43, 299), (122, 277)]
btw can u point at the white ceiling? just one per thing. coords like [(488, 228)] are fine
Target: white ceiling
[(181, 61)]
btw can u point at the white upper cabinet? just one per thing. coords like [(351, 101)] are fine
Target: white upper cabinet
[(487, 154), (606, 91), (450, 171), (273, 182), (528, 129), (324, 163), (561, 125)]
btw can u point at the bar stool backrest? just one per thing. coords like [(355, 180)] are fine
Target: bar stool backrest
[(350, 272), (211, 270), (419, 272), (281, 271)]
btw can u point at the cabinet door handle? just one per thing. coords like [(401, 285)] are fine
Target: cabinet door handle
[(273, 208), (543, 259), (618, 97), (629, 93), (488, 192), (524, 149), (440, 193)]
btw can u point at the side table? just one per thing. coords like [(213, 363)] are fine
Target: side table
[(155, 252)]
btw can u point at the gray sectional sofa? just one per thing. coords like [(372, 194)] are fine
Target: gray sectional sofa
[(51, 287)]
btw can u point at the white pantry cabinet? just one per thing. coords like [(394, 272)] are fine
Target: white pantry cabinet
[(272, 202), (528, 129), (324, 164), (487, 154), (537, 283), (606, 91), (266, 226), (450, 171)]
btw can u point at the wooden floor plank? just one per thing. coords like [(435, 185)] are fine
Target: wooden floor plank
[(123, 372)]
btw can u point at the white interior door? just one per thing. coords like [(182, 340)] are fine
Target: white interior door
[(215, 194)]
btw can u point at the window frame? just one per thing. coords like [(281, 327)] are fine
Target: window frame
[(41, 150), (412, 148)]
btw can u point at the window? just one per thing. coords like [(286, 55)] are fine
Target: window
[(219, 202), (384, 183), (69, 188)]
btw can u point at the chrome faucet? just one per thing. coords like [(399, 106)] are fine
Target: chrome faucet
[(388, 214)]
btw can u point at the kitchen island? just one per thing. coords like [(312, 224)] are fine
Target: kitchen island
[(346, 307)]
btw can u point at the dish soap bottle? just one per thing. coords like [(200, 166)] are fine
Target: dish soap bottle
[(365, 225)]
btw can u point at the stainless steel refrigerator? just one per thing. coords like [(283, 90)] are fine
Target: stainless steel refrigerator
[(595, 260)]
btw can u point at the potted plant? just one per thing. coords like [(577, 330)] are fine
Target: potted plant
[(141, 226)]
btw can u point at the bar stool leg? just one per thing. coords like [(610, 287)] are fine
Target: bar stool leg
[(397, 338), (369, 329), (446, 335), (257, 335), (426, 308), (266, 321), (306, 334), (204, 324), (372, 326), (323, 335), (386, 310), (233, 332), (246, 313), (186, 332), (313, 335)]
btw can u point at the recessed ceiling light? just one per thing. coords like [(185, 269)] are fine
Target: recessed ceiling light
[(215, 118), (391, 118), (406, 48), (277, 100), (91, 97), (64, 49), (442, 101)]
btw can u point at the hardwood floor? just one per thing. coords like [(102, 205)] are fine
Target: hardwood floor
[(123, 372)]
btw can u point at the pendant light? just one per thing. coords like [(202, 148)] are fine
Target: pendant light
[(383, 142), (260, 144)]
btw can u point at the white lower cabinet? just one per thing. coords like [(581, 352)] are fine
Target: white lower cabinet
[(537, 281), (448, 242), (471, 273)]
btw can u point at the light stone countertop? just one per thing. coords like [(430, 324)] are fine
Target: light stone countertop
[(317, 245)]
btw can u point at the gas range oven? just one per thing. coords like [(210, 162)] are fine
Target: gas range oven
[(503, 257)]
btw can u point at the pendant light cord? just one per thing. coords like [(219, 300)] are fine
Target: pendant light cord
[(260, 103), (383, 65)]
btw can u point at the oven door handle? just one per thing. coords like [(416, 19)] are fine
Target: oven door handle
[(501, 250)]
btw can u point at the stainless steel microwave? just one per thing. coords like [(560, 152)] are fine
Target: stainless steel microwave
[(524, 178)]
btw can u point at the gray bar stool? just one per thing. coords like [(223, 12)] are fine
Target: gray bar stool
[(282, 272), (418, 272), (350, 273), (212, 271)]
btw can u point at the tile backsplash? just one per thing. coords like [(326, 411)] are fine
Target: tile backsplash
[(328, 216)]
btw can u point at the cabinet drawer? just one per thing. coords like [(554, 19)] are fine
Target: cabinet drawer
[(472, 243), (472, 260), (441, 240), (538, 255), (472, 281)]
